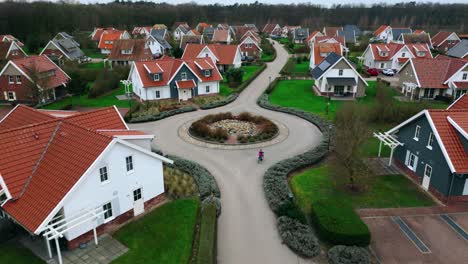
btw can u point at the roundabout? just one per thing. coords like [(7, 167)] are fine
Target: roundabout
[(247, 231)]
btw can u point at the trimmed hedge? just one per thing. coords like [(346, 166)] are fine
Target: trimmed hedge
[(227, 100), (208, 226), (206, 183), (243, 85), (298, 237), (161, 115), (338, 223), (348, 255)]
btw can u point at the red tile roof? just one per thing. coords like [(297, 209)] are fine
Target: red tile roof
[(440, 37), (98, 33), (312, 35), (432, 73), (380, 30), (339, 39), (393, 48), (10, 38), (189, 84), (402, 60), (225, 53), (325, 48), (110, 37), (44, 156), (140, 52), (268, 28), (419, 31), (450, 139), (41, 64), (463, 85), (220, 35), (196, 33), (332, 31), (170, 67), (461, 103)]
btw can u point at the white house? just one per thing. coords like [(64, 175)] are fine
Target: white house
[(335, 76), (75, 173), (225, 56), (384, 33), (393, 55)]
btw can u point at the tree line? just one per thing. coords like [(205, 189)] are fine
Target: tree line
[(37, 22)]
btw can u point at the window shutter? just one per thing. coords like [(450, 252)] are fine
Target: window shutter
[(407, 157), (6, 95), (415, 163)]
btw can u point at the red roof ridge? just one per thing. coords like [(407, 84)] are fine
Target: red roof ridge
[(29, 125)]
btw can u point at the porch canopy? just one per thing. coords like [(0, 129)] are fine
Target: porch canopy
[(341, 81), (388, 140), (188, 84)]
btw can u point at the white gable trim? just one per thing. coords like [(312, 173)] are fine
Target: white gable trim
[(180, 67), (254, 42), (350, 66), (121, 118), (457, 127), (12, 110), (434, 131), (414, 70), (448, 108), (206, 47), (18, 68), (459, 70), (58, 67), (11, 47), (144, 151), (52, 43), (369, 47)]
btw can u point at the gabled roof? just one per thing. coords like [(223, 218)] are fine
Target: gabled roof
[(301, 33), (331, 31), (460, 50), (393, 48), (350, 33), (418, 31), (314, 34), (326, 64), (434, 72), (39, 64), (220, 35), (138, 47), (459, 104), (187, 39), (183, 29), (440, 37), (68, 46), (10, 38), (44, 156), (268, 28), (6, 47), (396, 32), (169, 67), (252, 35), (226, 54), (97, 33), (158, 32), (330, 39), (381, 29), (420, 38), (325, 48), (111, 36), (180, 24)]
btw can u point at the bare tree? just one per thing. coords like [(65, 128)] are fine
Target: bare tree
[(351, 131), (39, 85)]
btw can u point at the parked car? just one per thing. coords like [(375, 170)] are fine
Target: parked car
[(388, 72), (373, 72)]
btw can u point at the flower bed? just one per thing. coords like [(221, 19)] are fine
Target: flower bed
[(226, 128)]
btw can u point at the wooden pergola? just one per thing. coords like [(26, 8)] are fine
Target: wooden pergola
[(388, 140)]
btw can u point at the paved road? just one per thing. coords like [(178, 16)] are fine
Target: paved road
[(247, 227)]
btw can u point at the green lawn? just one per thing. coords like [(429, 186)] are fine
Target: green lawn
[(249, 71), (84, 101), (387, 191), (98, 65), (266, 57), (13, 253), (93, 53), (302, 67), (163, 236)]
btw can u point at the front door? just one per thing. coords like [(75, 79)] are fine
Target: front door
[(339, 90), (427, 177), (138, 202), (185, 94)]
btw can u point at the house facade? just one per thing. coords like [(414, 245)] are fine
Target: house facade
[(272, 30), (180, 31), (177, 79), (34, 79), (61, 48), (445, 40), (300, 35), (460, 50), (429, 78), (10, 50), (320, 51), (114, 176), (108, 38), (250, 48), (384, 34), (221, 36), (393, 55), (336, 77), (126, 51), (434, 152), (225, 56)]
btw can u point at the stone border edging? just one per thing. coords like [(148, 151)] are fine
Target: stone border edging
[(283, 133)]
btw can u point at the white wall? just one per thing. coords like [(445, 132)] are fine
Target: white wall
[(150, 93), (91, 193), (368, 59), (214, 87), (154, 46), (206, 52), (333, 73), (238, 59)]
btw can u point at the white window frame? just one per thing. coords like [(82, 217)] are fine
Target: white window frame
[(18, 79), (412, 166), (106, 174), (11, 79), (107, 217), (13, 97), (140, 194), (403, 54), (465, 76), (183, 76), (156, 77), (207, 89), (430, 141), (340, 72), (207, 73), (426, 169), (382, 65), (158, 94), (132, 167), (417, 132)]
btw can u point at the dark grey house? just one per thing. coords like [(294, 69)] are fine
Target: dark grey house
[(432, 149), (460, 50), (396, 32), (208, 33), (300, 35), (63, 47)]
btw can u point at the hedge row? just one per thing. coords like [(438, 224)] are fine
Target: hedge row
[(243, 85), (336, 222), (162, 115), (206, 183), (298, 237), (207, 242), (348, 255), (227, 100)]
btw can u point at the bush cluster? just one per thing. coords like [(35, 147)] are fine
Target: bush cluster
[(178, 184), (234, 76), (227, 100), (107, 80), (205, 181), (208, 225), (298, 237), (338, 223), (156, 115), (348, 255)]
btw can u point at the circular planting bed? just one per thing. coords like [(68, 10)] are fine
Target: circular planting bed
[(226, 128)]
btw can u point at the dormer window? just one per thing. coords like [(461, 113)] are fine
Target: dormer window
[(156, 77), (126, 51), (207, 73), (383, 54), (323, 54), (421, 53)]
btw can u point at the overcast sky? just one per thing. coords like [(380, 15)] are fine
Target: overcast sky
[(321, 2)]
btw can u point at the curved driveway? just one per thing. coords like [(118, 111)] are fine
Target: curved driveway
[(247, 227)]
